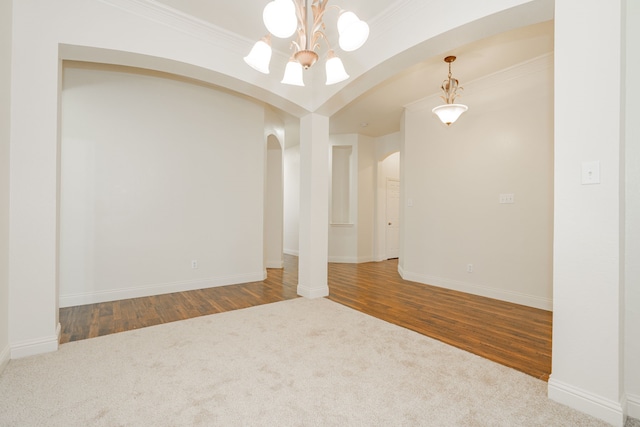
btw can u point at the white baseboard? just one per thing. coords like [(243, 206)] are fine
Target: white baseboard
[(475, 289), (293, 252), (5, 356), (71, 300), (349, 259), (311, 293), (607, 410), (36, 346), (633, 406), (274, 264)]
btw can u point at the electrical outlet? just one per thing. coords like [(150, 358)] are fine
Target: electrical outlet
[(507, 198), (469, 268), (194, 263)]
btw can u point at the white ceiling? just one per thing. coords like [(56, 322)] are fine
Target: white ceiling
[(245, 17), (381, 105)]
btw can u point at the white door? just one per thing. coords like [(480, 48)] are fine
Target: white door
[(392, 216)]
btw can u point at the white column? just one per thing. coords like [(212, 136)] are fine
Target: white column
[(5, 123), (33, 210), (588, 344), (314, 206), (632, 201)]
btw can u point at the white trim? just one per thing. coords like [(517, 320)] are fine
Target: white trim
[(491, 81), (386, 22), (607, 410), (481, 290), (4, 358), (633, 406), (293, 252), (312, 293), (401, 271), (177, 20), (342, 259), (180, 21), (351, 259), (36, 346), (274, 264), (156, 289)]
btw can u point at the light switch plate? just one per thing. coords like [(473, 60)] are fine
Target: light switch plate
[(590, 173)]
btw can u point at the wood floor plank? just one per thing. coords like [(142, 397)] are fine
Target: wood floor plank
[(510, 334)]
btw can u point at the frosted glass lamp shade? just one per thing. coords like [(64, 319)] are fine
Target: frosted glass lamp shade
[(259, 57), (449, 113), (335, 71), (279, 17), (293, 74), (352, 31)]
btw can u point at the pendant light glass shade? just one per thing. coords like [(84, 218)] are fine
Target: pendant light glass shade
[(293, 74), (279, 17), (335, 70), (449, 113), (352, 31), (260, 55)]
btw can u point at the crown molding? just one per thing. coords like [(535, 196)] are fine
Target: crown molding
[(386, 22), (184, 23), (490, 81)]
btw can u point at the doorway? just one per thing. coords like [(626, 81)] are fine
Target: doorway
[(388, 207), (392, 218)]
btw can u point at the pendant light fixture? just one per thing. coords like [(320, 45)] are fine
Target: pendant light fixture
[(284, 18), (450, 112)]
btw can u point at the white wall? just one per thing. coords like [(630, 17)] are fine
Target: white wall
[(343, 235), (367, 180), (275, 135), (352, 241), (588, 293), (273, 209), (156, 172), (291, 200), (5, 115), (387, 144), (632, 255), (454, 176)]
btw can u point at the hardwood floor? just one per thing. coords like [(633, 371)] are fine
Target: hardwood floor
[(510, 334), (94, 320)]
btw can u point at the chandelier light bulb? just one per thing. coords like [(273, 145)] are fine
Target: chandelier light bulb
[(335, 70), (286, 18), (279, 17), (352, 31), (260, 55), (293, 74)]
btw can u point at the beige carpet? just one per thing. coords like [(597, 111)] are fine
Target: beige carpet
[(294, 363)]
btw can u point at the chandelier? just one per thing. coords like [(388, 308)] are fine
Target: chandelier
[(449, 112), (284, 18)]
